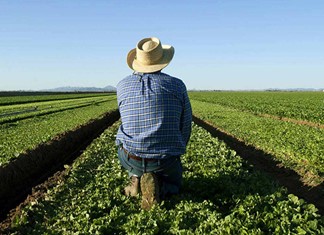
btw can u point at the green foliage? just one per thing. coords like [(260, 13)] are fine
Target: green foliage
[(296, 105), (221, 194), (298, 147), (10, 98), (20, 136), (11, 113)]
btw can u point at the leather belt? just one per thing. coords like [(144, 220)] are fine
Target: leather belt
[(138, 158)]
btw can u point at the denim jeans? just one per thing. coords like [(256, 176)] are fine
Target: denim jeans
[(169, 170)]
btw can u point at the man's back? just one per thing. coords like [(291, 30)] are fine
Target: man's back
[(156, 123), (156, 115)]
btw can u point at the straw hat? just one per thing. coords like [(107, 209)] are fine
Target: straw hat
[(150, 56)]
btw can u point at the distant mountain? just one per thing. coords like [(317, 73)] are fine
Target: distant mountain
[(110, 88), (82, 89)]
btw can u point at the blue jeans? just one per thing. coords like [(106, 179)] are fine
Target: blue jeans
[(169, 170)]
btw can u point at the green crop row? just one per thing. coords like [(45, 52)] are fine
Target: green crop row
[(303, 106), (10, 98), (298, 147), (10, 113), (221, 194), (17, 137)]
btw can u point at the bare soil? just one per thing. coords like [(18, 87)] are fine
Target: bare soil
[(36, 193)]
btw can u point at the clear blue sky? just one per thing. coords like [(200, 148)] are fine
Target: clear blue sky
[(228, 44)]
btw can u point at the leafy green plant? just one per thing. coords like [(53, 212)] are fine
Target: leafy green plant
[(11, 113), (20, 136), (13, 98), (221, 194), (298, 147), (303, 106)]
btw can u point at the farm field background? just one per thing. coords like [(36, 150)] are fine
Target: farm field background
[(8, 98), (302, 106), (297, 145), (222, 194), (23, 127)]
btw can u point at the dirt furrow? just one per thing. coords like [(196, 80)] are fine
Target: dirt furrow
[(266, 163), (32, 168)]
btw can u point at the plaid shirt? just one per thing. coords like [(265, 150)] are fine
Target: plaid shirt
[(156, 115)]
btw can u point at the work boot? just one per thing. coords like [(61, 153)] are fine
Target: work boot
[(150, 190), (133, 188)]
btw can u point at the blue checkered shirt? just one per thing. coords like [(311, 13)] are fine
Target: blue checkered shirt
[(155, 113)]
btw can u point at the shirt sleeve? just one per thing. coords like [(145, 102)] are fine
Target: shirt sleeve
[(186, 118)]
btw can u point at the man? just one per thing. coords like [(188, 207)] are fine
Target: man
[(156, 123)]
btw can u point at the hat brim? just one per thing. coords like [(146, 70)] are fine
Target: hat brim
[(168, 52)]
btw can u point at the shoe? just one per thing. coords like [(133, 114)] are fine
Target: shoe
[(133, 188), (150, 190)]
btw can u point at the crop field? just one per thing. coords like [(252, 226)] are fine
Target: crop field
[(9, 98), (302, 106), (257, 119), (23, 126), (221, 195), (222, 192)]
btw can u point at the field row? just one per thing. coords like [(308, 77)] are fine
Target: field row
[(10, 98), (11, 113), (18, 137), (302, 106), (298, 147), (221, 194)]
